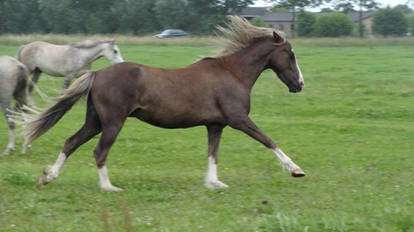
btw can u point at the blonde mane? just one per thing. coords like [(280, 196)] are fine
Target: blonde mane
[(240, 34)]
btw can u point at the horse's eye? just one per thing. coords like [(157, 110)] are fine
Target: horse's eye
[(115, 51)]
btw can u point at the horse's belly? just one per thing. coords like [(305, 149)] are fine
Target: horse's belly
[(51, 70), (167, 119)]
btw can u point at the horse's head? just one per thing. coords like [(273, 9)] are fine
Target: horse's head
[(112, 53), (283, 63)]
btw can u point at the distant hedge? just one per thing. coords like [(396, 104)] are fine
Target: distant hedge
[(333, 25)]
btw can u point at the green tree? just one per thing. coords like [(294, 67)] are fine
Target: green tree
[(410, 19), (233, 6), (278, 9), (171, 13), (333, 25), (306, 22), (404, 8), (259, 22), (138, 17), (361, 5), (389, 21), (21, 16), (295, 5), (2, 19)]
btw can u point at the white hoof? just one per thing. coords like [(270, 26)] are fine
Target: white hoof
[(111, 188), (25, 149), (8, 150), (215, 184)]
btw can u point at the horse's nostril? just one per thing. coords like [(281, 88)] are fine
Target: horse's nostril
[(301, 83)]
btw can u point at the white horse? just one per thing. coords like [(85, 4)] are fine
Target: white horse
[(13, 81), (69, 61)]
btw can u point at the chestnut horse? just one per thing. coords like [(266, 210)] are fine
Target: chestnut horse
[(214, 92)]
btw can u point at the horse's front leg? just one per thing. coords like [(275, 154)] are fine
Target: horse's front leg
[(66, 82), (214, 135), (247, 126)]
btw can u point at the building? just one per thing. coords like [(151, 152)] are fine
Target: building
[(284, 21), (366, 19)]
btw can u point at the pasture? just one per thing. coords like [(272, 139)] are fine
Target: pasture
[(351, 130)]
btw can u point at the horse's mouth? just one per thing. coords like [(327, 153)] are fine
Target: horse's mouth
[(296, 88)]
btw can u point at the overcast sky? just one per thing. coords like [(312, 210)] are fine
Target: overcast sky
[(383, 3)]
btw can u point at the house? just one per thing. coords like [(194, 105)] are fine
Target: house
[(366, 19), (284, 21)]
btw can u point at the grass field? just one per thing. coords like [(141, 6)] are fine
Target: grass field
[(351, 130)]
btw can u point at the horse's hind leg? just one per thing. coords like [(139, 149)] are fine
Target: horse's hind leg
[(109, 134), (91, 128), (214, 135), (35, 78)]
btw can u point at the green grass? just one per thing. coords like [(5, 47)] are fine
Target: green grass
[(351, 130)]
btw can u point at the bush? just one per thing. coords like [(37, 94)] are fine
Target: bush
[(410, 20), (389, 21), (305, 22), (259, 22), (333, 25)]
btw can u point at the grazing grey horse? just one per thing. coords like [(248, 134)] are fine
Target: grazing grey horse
[(69, 61), (13, 80)]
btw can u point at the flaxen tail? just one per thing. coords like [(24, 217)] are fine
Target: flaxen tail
[(41, 123)]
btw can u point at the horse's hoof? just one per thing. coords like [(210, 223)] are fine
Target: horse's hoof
[(41, 181), (298, 173), (25, 150), (8, 151), (45, 172), (111, 189), (215, 185)]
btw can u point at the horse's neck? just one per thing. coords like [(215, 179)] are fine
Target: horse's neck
[(91, 54), (248, 63)]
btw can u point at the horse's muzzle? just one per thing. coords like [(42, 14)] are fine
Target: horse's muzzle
[(296, 88)]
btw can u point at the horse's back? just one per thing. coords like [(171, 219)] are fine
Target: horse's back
[(42, 55)]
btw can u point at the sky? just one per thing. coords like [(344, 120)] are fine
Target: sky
[(383, 3)]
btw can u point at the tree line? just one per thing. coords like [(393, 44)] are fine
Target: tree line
[(333, 22), (385, 22), (114, 16), (200, 17)]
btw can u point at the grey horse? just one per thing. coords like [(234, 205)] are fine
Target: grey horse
[(13, 81), (69, 61)]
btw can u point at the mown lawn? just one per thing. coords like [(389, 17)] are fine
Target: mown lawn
[(351, 130)]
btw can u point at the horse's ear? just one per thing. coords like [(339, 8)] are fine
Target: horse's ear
[(112, 41), (278, 39)]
